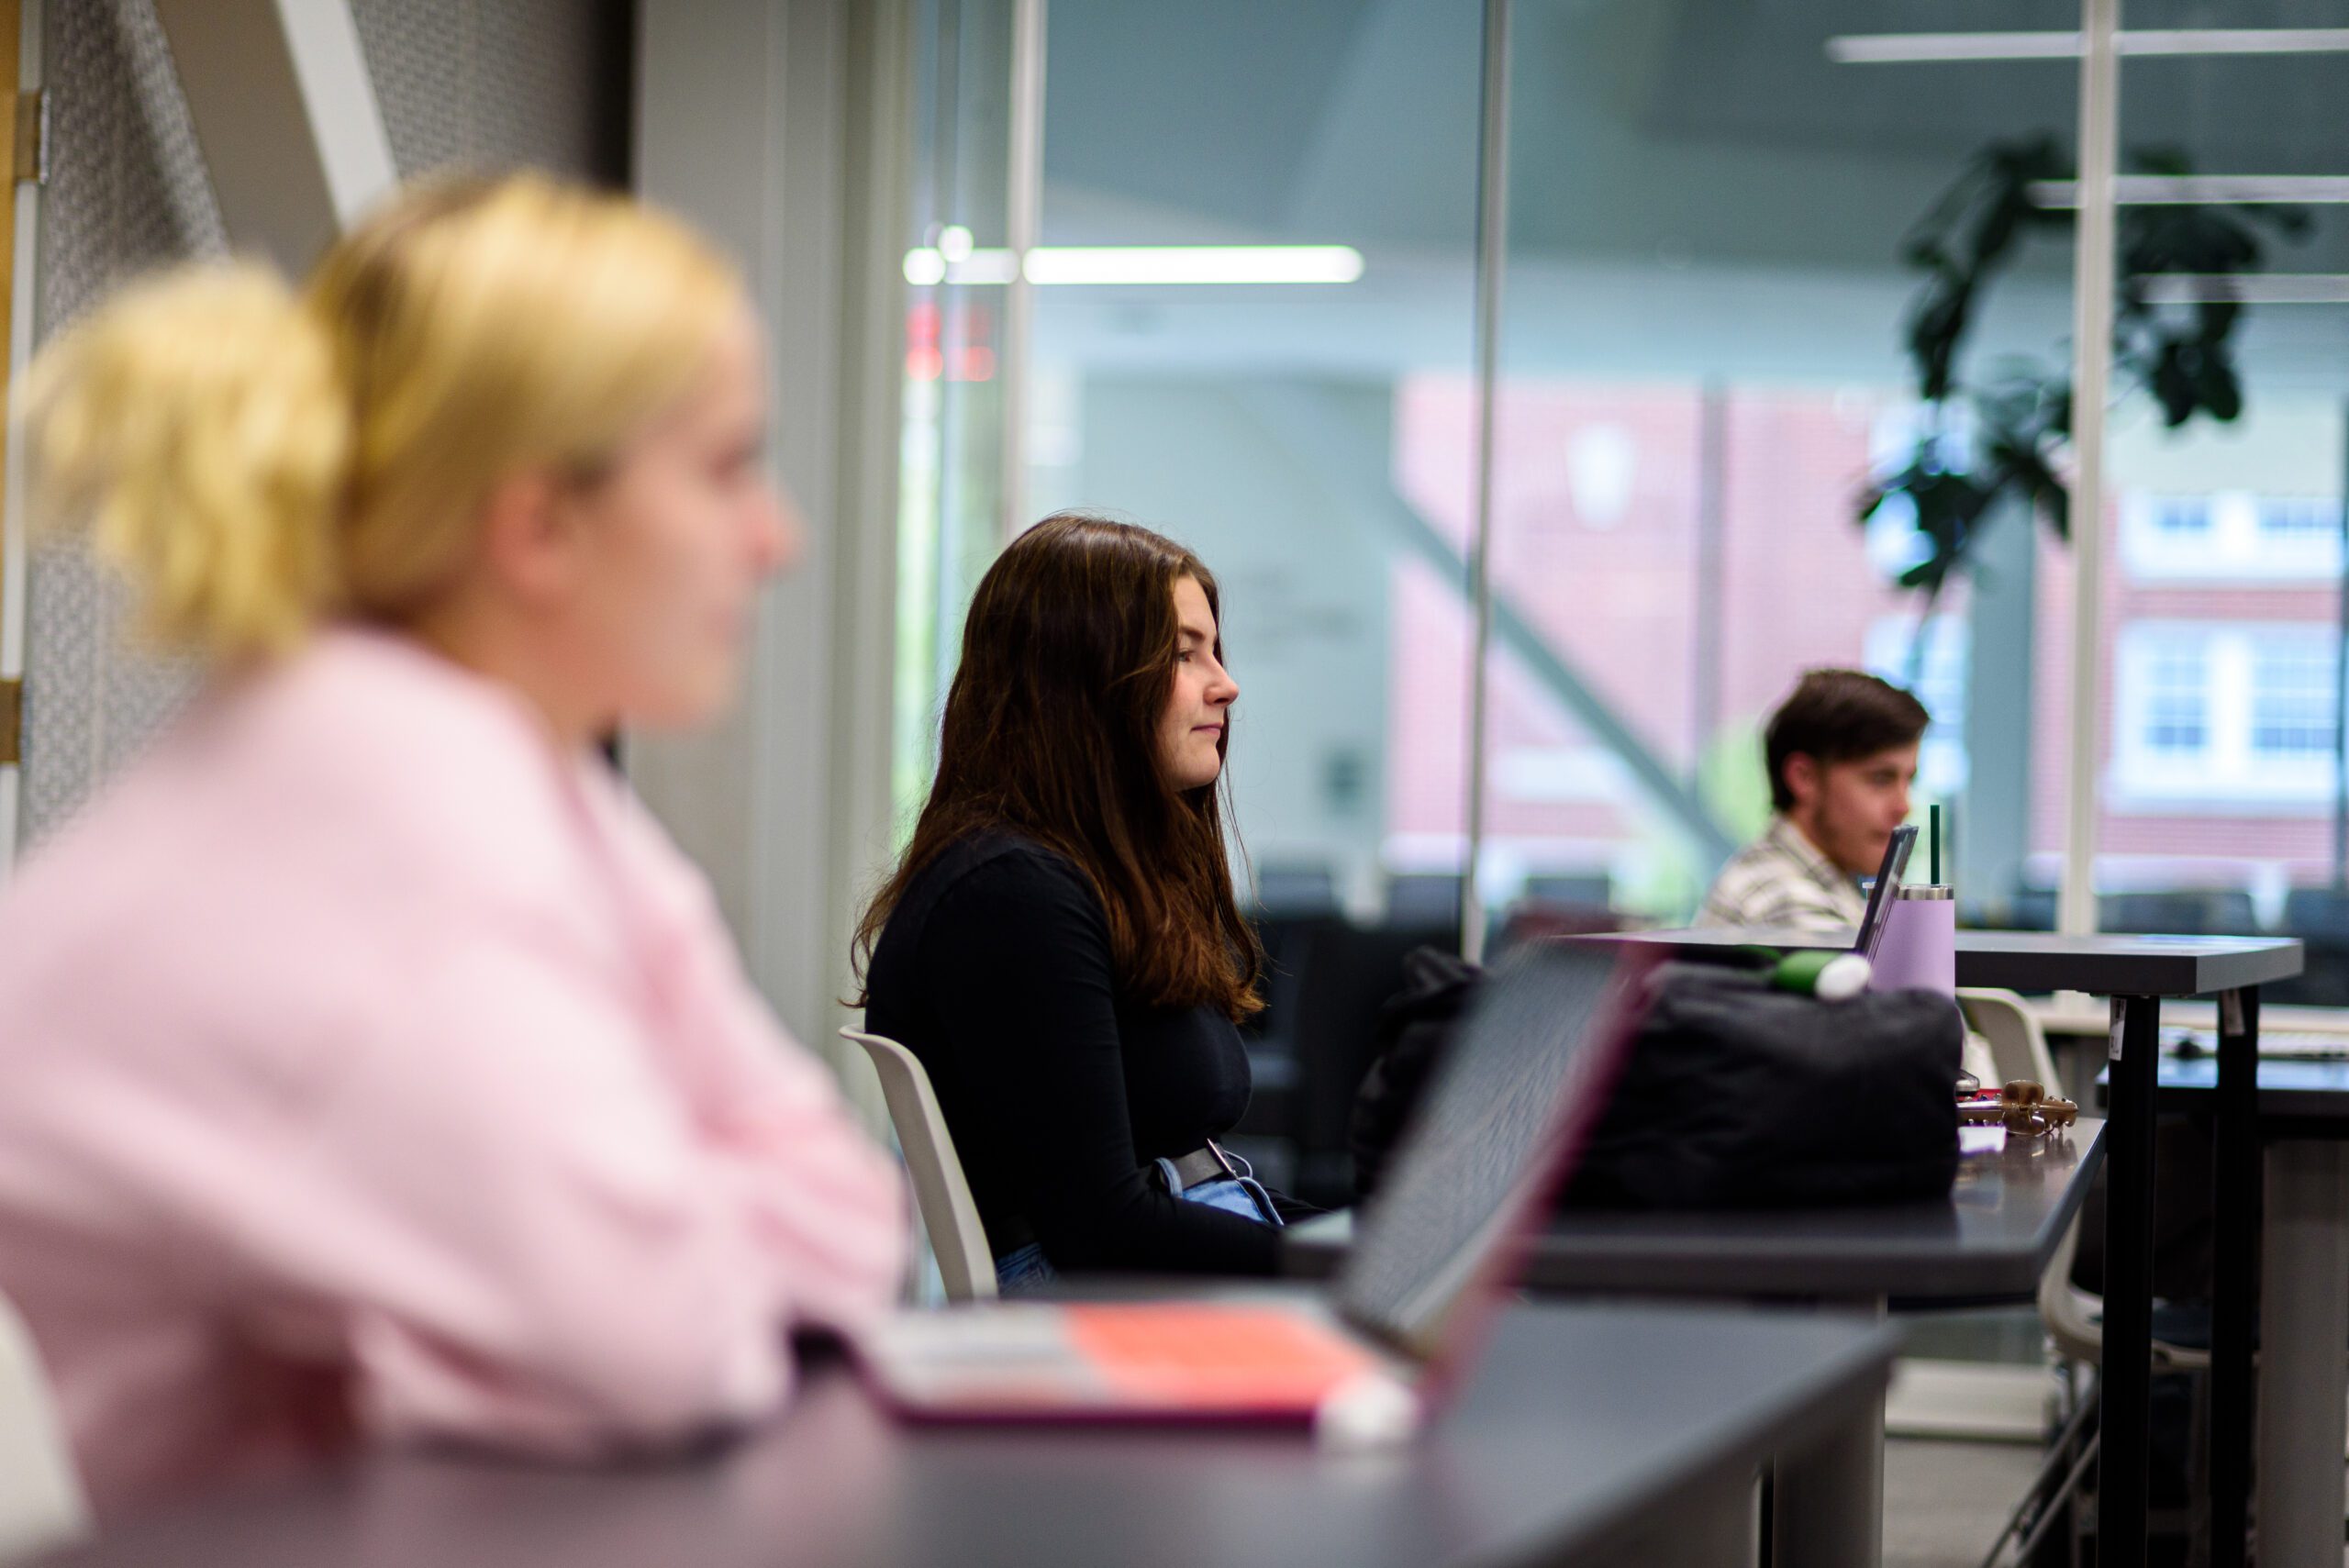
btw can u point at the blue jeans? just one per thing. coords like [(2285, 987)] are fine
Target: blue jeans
[(1023, 1270), (1241, 1195)]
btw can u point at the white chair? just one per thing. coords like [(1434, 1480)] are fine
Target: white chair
[(2074, 1317), (2017, 1045), (40, 1497), (966, 1263)]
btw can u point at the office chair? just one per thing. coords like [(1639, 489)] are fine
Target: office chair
[(1297, 890), (2191, 912), (41, 1504), (1424, 898), (965, 1261)]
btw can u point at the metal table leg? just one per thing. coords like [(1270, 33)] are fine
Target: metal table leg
[(2303, 1324), (2128, 1280), (2236, 1200), (1827, 1501)]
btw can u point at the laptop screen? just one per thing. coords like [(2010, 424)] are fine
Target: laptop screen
[(1509, 1105), (1885, 893)]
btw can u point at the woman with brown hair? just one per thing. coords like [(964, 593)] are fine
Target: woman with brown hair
[(1060, 944)]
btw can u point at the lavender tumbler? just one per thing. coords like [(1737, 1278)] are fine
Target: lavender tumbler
[(1919, 949)]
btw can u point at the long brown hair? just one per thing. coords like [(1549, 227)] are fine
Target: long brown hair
[(1051, 732)]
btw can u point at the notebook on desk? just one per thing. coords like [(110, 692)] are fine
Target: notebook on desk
[(1497, 1132)]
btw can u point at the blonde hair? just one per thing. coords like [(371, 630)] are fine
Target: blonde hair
[(255, 460)]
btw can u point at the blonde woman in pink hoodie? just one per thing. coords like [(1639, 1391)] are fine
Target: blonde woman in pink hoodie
[(370, 1065)]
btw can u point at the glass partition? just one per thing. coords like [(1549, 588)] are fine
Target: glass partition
[(951, 465), (1259, 422), (2223, 776), (1784, 341), (1711, 292), (1256, 240)]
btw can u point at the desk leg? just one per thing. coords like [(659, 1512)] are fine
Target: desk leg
[(2128, 1281), (2235, 1198), (1827, 1501), (2304, 1323)]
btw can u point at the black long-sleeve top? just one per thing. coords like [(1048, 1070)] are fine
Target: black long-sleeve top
[(1060, 1089)]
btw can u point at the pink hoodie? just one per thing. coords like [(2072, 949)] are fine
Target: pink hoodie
[(367, 1068)]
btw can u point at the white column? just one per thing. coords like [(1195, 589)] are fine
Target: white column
[(1492, 269), (1023, 229), (2091, 375), (287, 115), (2303, 1324)]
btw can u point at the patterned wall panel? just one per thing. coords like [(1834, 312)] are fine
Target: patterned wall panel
[(489, 83), (127, 194), (481, 84)]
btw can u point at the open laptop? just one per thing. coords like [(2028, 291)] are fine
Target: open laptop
[(1886, 890), (1497, 1128)]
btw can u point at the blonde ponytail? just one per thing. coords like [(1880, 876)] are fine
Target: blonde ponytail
[(256, 460), (196, 427)]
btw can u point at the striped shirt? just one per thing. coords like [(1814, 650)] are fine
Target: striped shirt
[(1781, 879)]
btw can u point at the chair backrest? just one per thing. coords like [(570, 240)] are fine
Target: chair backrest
[(40, 1496), (2075, 1318), (1423, 898), (1351, 974), (966, 1263), (2317, 912), (2205, 911), (2018, 1044), (1297, 890)]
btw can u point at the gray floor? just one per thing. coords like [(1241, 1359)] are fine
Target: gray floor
[(1944, 1501)]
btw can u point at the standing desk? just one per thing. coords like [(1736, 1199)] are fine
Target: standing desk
[(1587, 1435), (2136, 973), (1989, 1240)]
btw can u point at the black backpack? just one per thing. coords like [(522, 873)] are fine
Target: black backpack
[(1732, 1095)]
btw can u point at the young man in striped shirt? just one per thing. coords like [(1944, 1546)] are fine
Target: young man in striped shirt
[(1842, 754)]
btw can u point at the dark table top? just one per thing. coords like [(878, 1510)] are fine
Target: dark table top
[(1991, 1237), (1583, 1425), (2041, 961)]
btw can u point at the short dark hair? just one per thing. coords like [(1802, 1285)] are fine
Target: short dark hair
[(1839, 716)]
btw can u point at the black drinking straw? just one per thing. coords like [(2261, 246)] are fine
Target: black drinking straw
[(1934, 814)]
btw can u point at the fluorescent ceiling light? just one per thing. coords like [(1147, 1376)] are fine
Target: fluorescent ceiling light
[(2188, 190), (926, 266), (1906, 49), (1194, 264), (1142, 265), (2264, 288)]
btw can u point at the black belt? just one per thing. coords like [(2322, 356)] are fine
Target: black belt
[(1203, 1164)]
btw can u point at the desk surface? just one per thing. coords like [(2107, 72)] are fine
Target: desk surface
[(1583, 1427), (1991, 1237), (2041, 961)]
